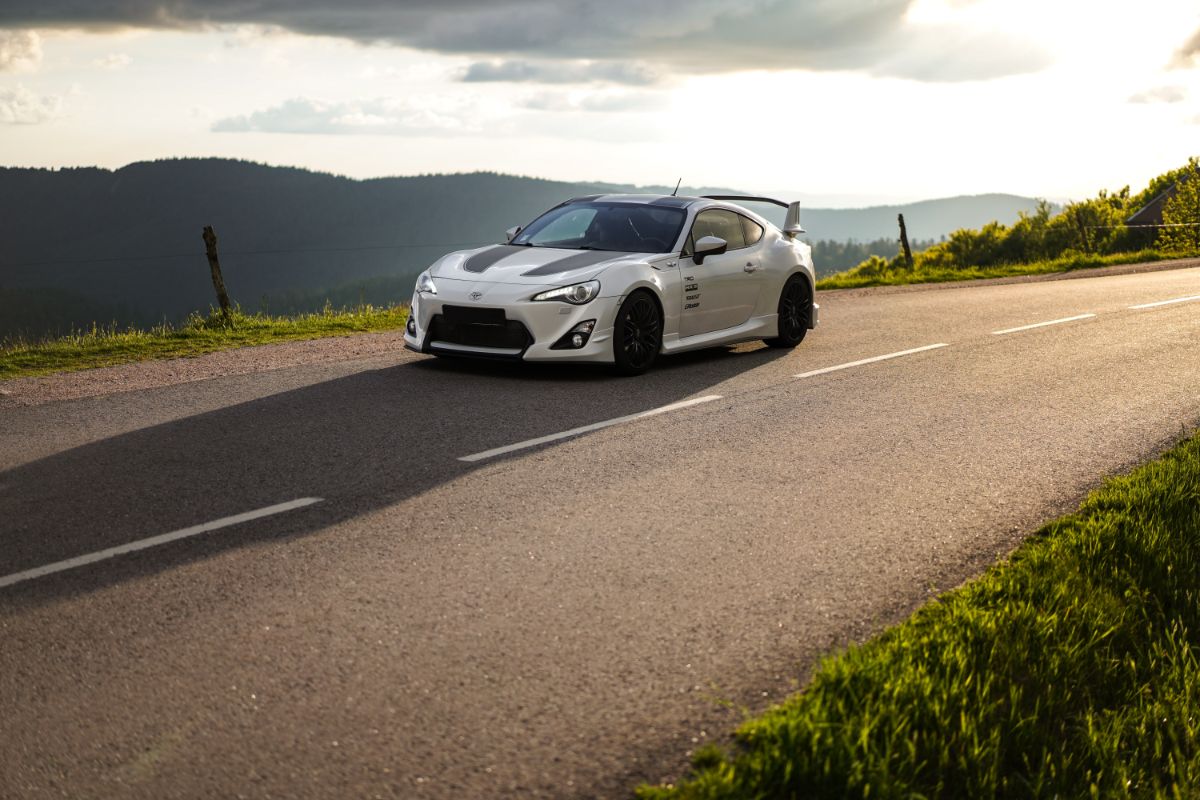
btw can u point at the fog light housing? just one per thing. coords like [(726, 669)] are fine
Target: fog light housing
[(577, 337), (411, 325)]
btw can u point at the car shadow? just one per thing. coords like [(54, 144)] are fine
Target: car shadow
[(360, 442)]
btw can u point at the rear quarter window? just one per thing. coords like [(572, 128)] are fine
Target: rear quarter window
[(752, 231)]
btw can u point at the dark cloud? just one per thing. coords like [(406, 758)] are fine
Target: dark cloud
[(630, 74), (682, 36), (1189, 54)]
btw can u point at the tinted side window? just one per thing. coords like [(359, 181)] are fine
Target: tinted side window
[(752, 230), (722, 224)]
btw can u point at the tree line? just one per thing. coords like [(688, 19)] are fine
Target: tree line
[(1096, 226)]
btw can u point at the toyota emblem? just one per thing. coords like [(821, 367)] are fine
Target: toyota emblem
[(475, 295)]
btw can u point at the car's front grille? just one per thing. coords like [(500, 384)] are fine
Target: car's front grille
[(478, 327), (473, 315)]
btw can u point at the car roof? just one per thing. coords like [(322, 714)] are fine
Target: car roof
[(667, 200), (671, 201)]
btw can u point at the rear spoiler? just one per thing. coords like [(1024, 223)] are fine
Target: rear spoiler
[(791, 224)]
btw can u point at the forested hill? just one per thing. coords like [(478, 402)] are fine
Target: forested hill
[(88, 244)]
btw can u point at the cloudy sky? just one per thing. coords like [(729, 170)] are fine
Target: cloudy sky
[(846, 101)]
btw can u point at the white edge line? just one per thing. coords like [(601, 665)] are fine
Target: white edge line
[(553, 437), (1166, 302), (871, 360), (1042, 324), (155, 541)]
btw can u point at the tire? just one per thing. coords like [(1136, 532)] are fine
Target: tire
[(795, 312), (637, 334)]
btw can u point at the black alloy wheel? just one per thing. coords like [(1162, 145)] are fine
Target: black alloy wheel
[(795, 311), (637, 336)]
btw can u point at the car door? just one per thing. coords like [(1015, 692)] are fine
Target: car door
[(723, 291)]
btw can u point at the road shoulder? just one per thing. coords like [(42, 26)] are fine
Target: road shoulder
[(151, 374)]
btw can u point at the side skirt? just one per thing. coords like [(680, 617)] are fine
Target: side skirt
[(763, 327)]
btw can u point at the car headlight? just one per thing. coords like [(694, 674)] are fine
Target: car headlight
[(425, 284), (577, 294)]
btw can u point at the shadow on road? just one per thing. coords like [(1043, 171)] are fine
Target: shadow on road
[(362, 442)]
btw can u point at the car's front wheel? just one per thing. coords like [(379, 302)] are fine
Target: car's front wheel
[(795, 311), (637, 335)]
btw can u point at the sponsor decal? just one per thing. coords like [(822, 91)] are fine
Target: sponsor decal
[(692, 297), (691, 306), (692, 287)]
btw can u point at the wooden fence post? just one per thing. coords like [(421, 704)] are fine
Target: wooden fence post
[(214, 265), (908, 259)]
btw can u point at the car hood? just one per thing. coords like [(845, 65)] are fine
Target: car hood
[(505, 263)]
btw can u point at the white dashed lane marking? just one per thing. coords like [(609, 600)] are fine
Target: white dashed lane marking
[(1166, 302), (155, 541), (863, 361), (1043, 324), (553, 437)]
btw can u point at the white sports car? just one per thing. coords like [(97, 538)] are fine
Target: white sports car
[(620, 279)]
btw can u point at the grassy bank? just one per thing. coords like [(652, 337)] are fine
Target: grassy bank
[(102, 347), (879, 272), (1070, 670)]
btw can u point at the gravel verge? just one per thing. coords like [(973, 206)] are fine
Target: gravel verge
[(151, 374)]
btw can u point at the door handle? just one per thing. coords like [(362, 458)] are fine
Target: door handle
[(750, 266)]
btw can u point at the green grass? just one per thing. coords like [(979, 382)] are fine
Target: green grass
[(1070, 670), (102, 347), (863, 275)]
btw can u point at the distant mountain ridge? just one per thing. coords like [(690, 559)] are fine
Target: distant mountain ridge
[(927, 219), (128, 241)]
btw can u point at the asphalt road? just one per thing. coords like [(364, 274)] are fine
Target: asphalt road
[(560, 620)]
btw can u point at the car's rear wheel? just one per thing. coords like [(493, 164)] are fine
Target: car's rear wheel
[(637, 335), (795, 311)]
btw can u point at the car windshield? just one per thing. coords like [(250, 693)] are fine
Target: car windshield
[(621, 227)]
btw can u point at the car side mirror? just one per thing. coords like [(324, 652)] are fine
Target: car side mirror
[(709, 246), (511, 233)]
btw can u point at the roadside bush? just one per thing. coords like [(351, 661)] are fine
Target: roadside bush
[(1183, 209), (1084, 231)]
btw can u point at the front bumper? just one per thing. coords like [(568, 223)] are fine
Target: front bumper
[(544, 323)]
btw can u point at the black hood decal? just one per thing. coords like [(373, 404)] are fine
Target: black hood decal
[(587, 258), (486, 258)]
